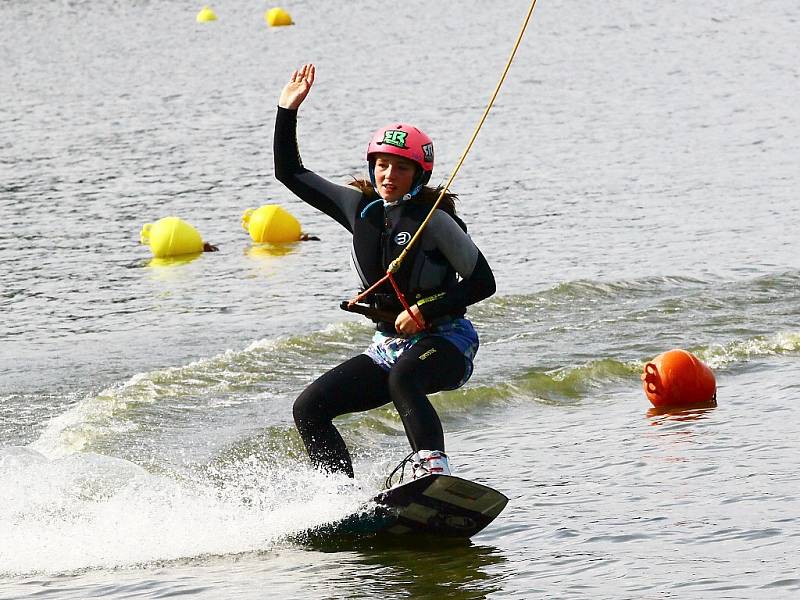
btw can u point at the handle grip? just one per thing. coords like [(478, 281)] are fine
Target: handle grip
[(375, 314)]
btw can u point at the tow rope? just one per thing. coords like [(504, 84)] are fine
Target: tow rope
[(394, 266)]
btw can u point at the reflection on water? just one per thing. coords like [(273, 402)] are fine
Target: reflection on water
[(260, 251), (695, 412), (427, 568), (173, 261)]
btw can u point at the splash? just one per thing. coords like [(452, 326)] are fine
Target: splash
[(87, 511)]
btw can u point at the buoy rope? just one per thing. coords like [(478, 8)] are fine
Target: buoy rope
[(394, 266)]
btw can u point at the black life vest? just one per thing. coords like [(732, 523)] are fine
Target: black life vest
[(378, 239)]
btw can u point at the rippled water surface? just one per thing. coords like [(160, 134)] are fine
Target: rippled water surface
[(634, 189)]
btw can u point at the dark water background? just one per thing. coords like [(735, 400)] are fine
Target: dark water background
[(635, 189)]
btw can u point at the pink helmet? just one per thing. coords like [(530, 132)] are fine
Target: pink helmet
[(407, 141)]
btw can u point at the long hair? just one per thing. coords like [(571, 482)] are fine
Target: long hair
[(426, 196)]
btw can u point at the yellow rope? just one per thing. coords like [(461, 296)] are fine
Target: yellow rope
[(395, 264)]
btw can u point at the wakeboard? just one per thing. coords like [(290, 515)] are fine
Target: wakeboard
[(434, 505)]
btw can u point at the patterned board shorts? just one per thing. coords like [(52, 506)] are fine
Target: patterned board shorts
[(385, 350)]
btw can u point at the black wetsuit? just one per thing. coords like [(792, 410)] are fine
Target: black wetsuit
[(433, 363)]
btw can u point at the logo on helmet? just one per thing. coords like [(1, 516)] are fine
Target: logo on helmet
[(394, 137), (402, 238), (428, 150)]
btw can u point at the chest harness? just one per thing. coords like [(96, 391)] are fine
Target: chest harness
[(379, 237)]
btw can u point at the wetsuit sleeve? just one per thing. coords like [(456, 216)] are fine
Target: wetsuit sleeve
[(337, 201), (477, 280)]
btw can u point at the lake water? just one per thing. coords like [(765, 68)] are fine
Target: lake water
[(634, 189)]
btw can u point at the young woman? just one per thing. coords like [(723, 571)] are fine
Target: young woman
[(411, 355)]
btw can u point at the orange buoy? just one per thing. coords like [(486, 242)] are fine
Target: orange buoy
[(678, 378)]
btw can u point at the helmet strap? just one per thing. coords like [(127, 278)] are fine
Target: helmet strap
[(372, 176), (416, 186), (414, 191)]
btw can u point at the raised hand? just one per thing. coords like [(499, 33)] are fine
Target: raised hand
[(298, 87)]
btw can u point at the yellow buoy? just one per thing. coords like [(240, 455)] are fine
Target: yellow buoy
[(271, 223), (205, 15), (277, 17), (171, 236)]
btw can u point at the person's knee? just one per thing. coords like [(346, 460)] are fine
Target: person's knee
[(308, 406), (403, 380)]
